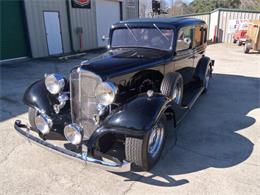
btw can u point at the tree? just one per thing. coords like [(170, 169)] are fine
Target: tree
[(199, 6)]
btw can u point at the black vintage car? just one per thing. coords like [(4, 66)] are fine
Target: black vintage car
[(111, 110)]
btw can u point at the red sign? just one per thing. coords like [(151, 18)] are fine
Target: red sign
[(81, 4)]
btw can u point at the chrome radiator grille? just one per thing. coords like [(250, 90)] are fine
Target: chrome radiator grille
[(83, 101)]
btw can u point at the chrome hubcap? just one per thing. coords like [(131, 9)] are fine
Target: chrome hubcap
[(177, 94), (207, 80), (155, 140)]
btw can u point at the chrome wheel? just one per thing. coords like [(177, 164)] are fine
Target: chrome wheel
[(156, 140), (177, 93), (207, 77)]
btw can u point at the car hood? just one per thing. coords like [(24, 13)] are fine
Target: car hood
[(122, 61)]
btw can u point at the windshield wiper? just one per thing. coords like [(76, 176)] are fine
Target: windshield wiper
[(131, 32), (160, 32)]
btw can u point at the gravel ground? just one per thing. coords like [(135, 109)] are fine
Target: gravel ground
[(217, 149)]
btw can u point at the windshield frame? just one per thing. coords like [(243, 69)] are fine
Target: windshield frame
[(142, 27)]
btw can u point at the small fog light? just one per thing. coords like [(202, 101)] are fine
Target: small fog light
[(73, 133), (43, 123)]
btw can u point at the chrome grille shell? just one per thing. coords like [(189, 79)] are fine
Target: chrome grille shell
[(83, 102)]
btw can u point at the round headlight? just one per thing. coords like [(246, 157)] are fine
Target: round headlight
[(73, 133), (43, 123), (105, 93), (54, 83)]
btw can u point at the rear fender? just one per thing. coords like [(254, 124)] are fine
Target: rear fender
[(202, 67)]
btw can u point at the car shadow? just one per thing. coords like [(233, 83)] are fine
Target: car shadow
[(209, 135)]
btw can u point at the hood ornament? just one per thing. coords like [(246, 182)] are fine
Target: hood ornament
[(150, 93)]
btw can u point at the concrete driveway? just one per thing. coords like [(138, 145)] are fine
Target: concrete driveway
[(217, 149)]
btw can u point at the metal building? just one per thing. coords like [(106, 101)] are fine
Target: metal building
[(220, 22), (217, 20), (57, 27)]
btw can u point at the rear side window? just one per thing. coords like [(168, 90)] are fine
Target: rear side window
[(198, 36), (185, 38)]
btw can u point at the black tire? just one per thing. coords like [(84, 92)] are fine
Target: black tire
[(234, 41), (246, 48), (206, 79), (32, 113), (137, 150), (239, 43), (170, 82)]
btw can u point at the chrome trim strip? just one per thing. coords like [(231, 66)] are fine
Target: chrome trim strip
[(109, 166)]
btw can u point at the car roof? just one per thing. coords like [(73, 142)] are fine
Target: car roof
[(176, 22)]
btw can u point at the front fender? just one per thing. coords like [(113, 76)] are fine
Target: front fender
[(134, 118), (38, 97), (139, 114)]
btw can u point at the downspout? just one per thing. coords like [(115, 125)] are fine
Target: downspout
[(217, 34), (69, 23)]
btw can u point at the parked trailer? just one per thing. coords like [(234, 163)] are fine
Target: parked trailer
[(253, 36)]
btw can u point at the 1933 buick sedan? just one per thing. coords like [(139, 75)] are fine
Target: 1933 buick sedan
[(111, 110)]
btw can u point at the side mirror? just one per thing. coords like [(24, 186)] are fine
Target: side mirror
[(187, 40), (104, 38)]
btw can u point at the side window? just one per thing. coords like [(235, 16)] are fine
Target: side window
[(198, 35), (184, 40), (205, 34)]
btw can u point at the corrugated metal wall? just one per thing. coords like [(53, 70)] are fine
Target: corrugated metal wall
[(219, 19), (205, 17), (35, 21), (83, 18), (224, 18), (130, 9), (86, 19), (213, 24)]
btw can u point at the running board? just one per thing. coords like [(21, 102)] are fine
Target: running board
[(195, 98)]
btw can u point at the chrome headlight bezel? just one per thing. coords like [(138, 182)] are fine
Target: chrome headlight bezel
[(54, 83), (73, 133), (105, 93), (43, 123)]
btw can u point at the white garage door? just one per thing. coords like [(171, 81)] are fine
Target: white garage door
[(108, 13)]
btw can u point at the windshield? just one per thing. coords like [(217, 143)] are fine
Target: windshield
[(156, 38)]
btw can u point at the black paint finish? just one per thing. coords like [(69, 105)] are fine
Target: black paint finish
[(133, 71), (38, 97), (138, 114)]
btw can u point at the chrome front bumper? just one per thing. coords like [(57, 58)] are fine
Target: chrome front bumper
[(109, 166)]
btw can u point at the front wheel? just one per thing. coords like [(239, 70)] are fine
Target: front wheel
[(145, 152)]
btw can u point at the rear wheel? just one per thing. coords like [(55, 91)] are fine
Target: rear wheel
[(234, 41), (206, 79), (145, 152)]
